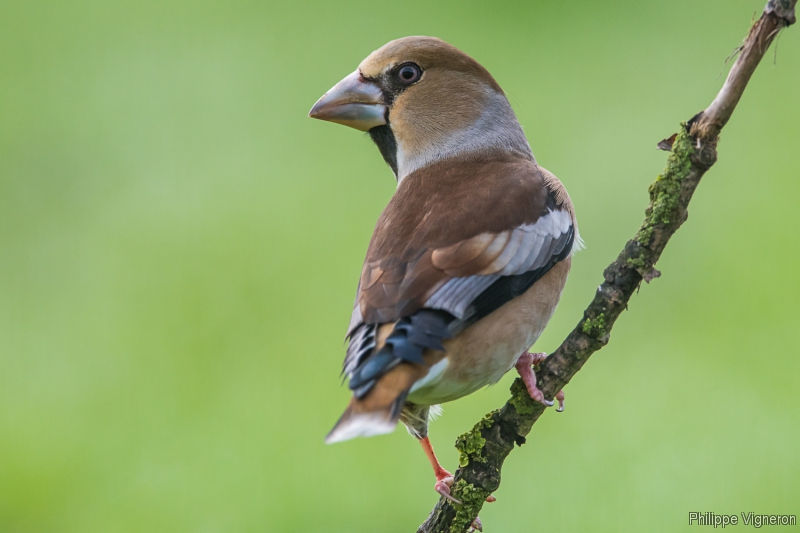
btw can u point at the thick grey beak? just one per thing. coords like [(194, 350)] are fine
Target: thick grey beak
[(354, 102)]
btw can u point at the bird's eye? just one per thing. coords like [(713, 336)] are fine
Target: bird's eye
[(408, 73)]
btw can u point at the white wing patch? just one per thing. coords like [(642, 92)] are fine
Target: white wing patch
[(537, 242), (451, 295), (526, 248)]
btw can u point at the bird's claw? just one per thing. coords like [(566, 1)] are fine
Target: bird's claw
[(525, 368), (538, 396), (476, 525), (560, 398), (444, 481), (443, 485), (537, 358)]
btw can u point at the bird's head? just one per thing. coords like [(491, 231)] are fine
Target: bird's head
[(423, 100)]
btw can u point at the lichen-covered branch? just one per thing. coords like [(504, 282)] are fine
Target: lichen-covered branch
[(693, 152)]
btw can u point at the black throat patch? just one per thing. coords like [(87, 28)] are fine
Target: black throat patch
[(387, 144)]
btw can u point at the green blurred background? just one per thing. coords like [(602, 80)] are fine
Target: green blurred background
[(180, 245)]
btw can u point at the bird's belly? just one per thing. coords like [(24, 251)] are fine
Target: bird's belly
[(485, 351)]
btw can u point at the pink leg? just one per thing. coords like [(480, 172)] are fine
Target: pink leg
[(525, 368), (444, 479)]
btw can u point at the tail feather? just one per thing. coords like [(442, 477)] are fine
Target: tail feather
[(377, 412), (353, 424)]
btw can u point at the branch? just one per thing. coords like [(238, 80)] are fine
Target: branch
[(693, 152)]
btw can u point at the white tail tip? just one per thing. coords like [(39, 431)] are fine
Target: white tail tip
[(351, 426)]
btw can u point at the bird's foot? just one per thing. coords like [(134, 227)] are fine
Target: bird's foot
[(476, 525), (444, 480), (525, 368)]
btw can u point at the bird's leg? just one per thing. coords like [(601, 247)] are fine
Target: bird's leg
[(444, 479), (525, 368)]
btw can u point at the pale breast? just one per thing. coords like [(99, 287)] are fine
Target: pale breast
[(484, 352)]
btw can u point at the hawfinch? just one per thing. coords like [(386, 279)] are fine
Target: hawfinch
[(468, 260)]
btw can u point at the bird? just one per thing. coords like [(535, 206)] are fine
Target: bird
[(468, 260)]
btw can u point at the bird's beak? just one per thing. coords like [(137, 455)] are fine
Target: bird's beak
[(354, 102)]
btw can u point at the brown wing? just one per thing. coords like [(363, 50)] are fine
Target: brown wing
[(464, 246), (447, 220)]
